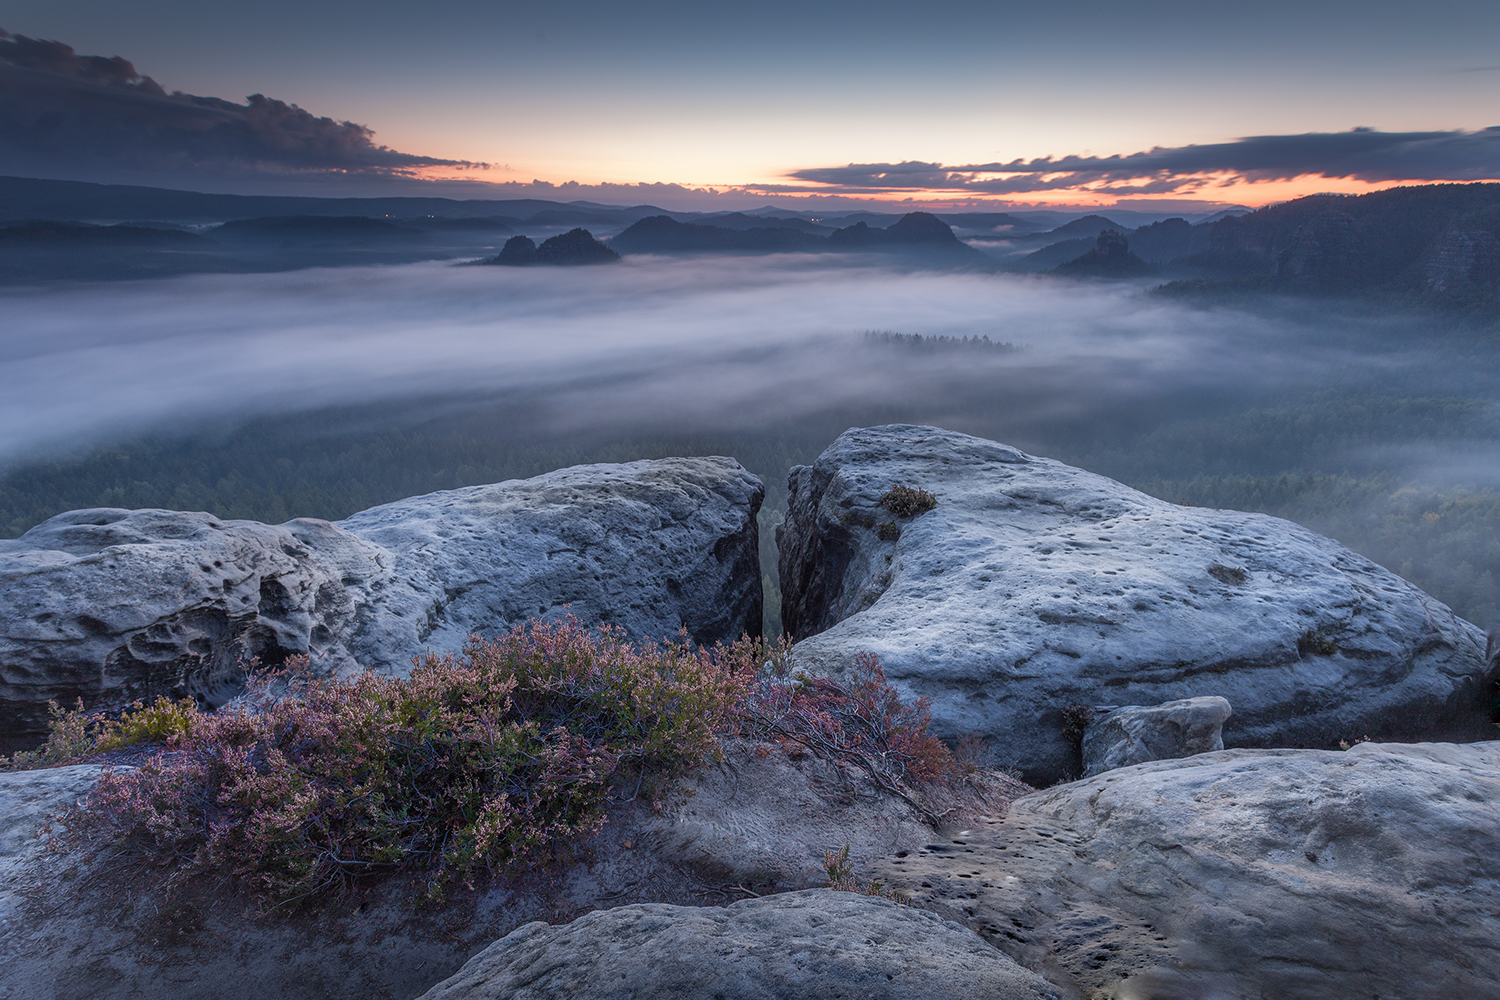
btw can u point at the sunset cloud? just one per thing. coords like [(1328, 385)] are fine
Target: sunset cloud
[(1361, 154)]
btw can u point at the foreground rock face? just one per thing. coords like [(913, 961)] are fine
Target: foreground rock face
[(97, 924), (1243, 874), (1135, 734), (765, 816), (812, 945), (110, 605), (1033, 585)]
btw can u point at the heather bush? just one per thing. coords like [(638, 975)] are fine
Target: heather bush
[(906, 501), (478, 761), (860, 719)]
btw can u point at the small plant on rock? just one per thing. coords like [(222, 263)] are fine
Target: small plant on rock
[(905, 501), (840, 872)]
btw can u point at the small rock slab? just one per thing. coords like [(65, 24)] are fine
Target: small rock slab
[(1134, 734), (1241, 875), (1033, 585), (812, 945)]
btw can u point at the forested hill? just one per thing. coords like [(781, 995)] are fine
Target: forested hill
[(1439, 243)]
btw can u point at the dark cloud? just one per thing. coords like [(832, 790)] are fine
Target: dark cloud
[(98, 118), (1360, 154)]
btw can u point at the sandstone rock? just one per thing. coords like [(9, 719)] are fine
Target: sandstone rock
[(1135, 734), (767, 813), (1033, 585), (649, 546), (110, 605), (1243, 874), (102, 925), (811, 945)]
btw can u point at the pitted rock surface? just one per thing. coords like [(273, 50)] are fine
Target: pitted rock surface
[(111, 605), (1033, 585), (1241, 875), (1134, 734), (649, 546), (812, 945)]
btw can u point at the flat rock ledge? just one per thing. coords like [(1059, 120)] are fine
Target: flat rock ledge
[(1242, 875), (1033, 586), (812, 945), (110, 605)]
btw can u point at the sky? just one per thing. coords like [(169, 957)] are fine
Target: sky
[(949, 103)]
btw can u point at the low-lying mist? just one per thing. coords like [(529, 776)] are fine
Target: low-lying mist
[(320, 392), (726, 342)]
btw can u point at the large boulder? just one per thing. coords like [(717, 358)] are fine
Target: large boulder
[(1032, 586), (1243, 874), (111, 605), (812, 945)]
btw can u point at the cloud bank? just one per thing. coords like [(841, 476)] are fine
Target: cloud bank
[(1361, 154), (91, 117)]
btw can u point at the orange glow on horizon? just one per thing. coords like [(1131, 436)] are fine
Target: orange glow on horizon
[(1207, 190)]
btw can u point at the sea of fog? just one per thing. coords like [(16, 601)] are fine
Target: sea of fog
[(700, 344)]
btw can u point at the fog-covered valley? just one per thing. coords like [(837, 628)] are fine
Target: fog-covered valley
[(323, 391)]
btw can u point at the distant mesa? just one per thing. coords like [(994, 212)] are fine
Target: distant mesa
[(291, 231), (914, 231), (912, 228), (577, 246), (1111, 257), (663, 234)]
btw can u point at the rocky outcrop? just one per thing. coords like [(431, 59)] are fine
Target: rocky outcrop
[(1135, 734), (1295, 874), (796, 946), (648, 546), (111, 605), (576, 246), (1032, 586)]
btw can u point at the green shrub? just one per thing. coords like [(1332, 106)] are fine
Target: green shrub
[(904, 501), (888, 531)]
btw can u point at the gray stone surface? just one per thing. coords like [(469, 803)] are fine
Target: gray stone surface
[(810, 945), (1033, 585), (766, 814), (110, 605), (649, 546), (1134, 734), (1243, 875)]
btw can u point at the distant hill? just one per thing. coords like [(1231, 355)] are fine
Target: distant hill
[(577, 246), (45, 234), (663, 234), (309, 231), (1111, 257), (1439, 243), (915, 232), (739, 220), (32, 198)]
